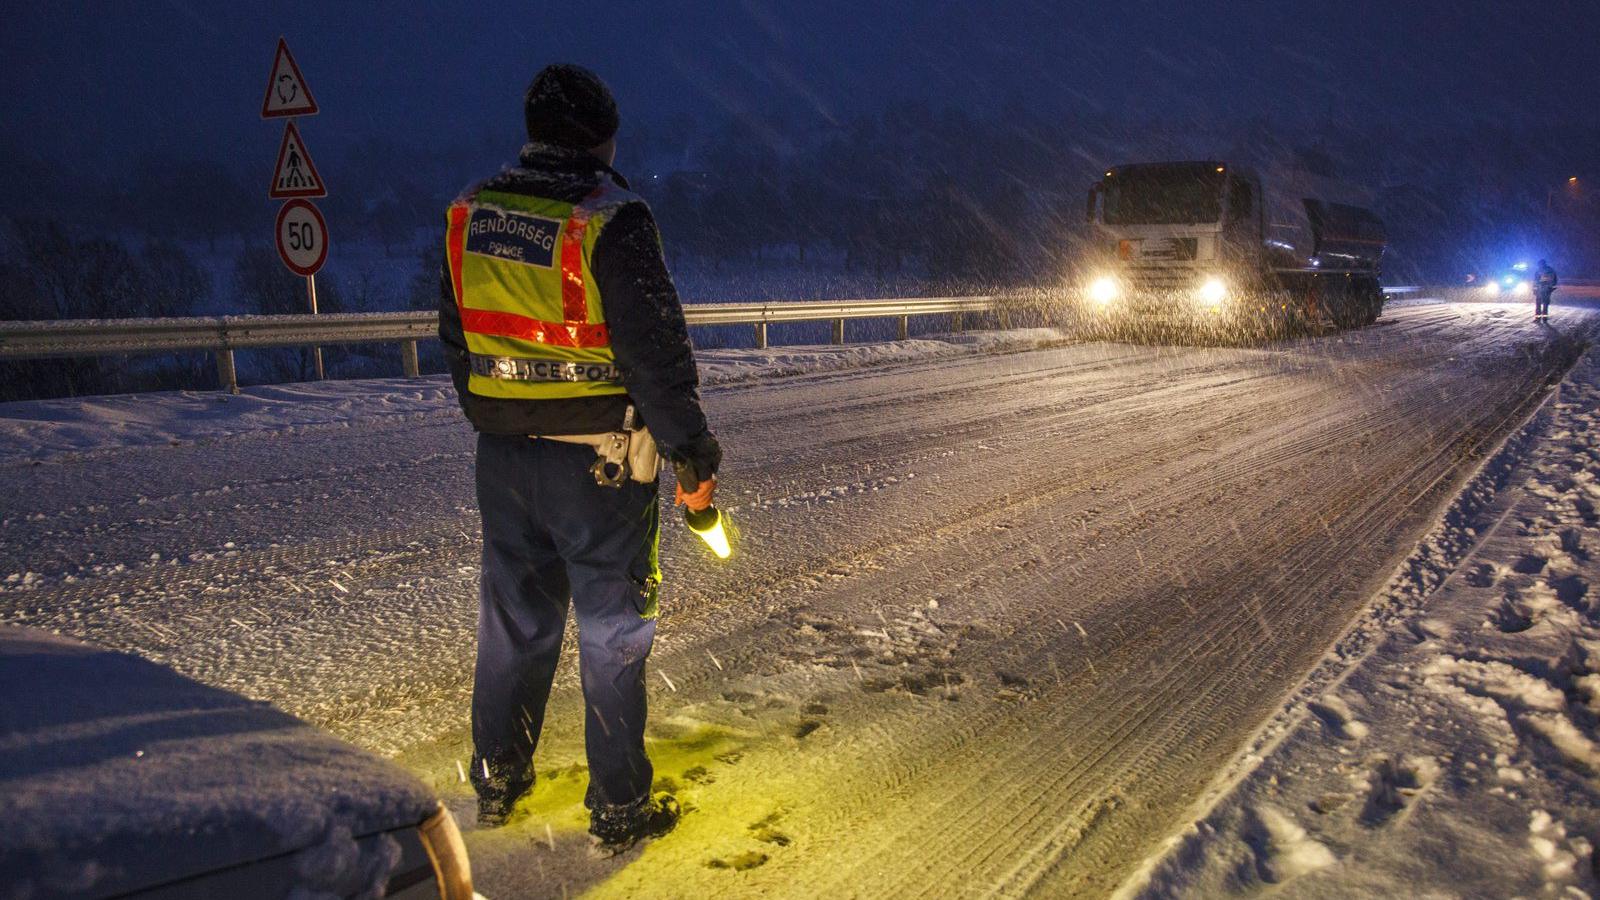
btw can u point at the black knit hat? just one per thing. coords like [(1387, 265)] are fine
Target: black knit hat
[(569, 106)]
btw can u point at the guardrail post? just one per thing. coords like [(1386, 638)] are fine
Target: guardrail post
[(761, 335), (838, 331), (226, 373), (1005, 319), (408, 359), (956, 322), (904, 329)]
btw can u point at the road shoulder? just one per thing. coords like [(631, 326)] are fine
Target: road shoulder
[(1449, 739)]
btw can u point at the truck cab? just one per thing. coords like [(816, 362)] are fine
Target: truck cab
[(1206, 244)]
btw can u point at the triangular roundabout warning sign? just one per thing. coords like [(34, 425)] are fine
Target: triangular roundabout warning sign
[(287, 92), (295, 175)]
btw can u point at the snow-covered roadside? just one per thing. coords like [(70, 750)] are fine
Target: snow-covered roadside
[(729, 366), (1447, 746), (42, 429)]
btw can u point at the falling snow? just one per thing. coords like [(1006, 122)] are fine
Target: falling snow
[(995, 617)]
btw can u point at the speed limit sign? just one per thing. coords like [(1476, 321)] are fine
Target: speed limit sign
[(302, 237)]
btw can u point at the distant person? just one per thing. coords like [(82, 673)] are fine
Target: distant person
[(1544, 284), (565, 339)]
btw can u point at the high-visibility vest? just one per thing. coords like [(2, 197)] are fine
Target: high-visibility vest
[(530, 310)]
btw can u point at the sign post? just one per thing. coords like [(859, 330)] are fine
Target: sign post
[(301, 232), (316, 352)]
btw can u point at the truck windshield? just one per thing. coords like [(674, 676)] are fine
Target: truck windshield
[(1164, 195)]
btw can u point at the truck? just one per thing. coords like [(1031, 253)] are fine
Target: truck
[(1207, 246)]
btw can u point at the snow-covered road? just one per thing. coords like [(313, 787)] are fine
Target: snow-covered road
[(993, 624)]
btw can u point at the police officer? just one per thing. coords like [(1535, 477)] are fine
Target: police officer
[(1544, 284), (564, 334)]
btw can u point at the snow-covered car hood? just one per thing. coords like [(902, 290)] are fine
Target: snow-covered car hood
[(119, 774)]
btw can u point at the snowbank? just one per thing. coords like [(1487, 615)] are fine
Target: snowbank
[(41, 429), (729, 366), (1450, 739)]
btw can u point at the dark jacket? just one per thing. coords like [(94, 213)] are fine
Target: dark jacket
[(1545, 279), (645, 319)]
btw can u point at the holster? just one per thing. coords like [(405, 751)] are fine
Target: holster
[(621, 455)]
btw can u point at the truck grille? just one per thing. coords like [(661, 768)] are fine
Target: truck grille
[(1163, 278)]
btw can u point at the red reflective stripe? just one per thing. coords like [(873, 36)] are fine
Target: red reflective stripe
[(574, 303), (574, 300), (455, 243), (511, 325)]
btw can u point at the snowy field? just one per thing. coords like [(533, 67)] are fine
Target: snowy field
[(995, 624)]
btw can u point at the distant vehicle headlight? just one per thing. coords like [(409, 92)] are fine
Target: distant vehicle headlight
[(1212, 292), (1104, 290), (1522, 289), (1510, 280), (1492, 289)]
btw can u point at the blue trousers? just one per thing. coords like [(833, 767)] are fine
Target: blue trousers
[(1541, 302), (552, 537)]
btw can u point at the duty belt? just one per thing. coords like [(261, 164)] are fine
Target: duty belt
[(619, 455), (512, 368)]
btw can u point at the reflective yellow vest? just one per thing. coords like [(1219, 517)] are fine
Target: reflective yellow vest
[(530, 309)]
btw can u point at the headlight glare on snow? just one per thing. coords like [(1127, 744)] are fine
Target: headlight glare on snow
[(1104, 290), (1212, 292)]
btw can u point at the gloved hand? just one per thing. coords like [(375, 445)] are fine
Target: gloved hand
[(700, 499), (703, 455)]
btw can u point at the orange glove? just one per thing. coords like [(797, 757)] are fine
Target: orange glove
[(698, 500)]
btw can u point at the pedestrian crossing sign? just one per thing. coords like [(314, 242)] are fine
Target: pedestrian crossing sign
[(295, 175)]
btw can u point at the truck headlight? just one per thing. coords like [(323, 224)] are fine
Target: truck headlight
[(1522, 289), (1492, 289), (1212, 292), (1104, 290)]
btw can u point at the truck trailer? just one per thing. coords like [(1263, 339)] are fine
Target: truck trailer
[(1212, 247)]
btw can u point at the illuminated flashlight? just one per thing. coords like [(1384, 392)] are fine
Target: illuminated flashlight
[(707, 523)]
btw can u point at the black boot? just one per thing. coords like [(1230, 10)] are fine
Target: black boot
[(616, 828), (495, 809), (499, 786)]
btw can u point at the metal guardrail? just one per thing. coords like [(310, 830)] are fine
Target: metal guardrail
[(222, 335)]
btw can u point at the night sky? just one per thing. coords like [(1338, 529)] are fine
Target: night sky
[(91, 83)]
